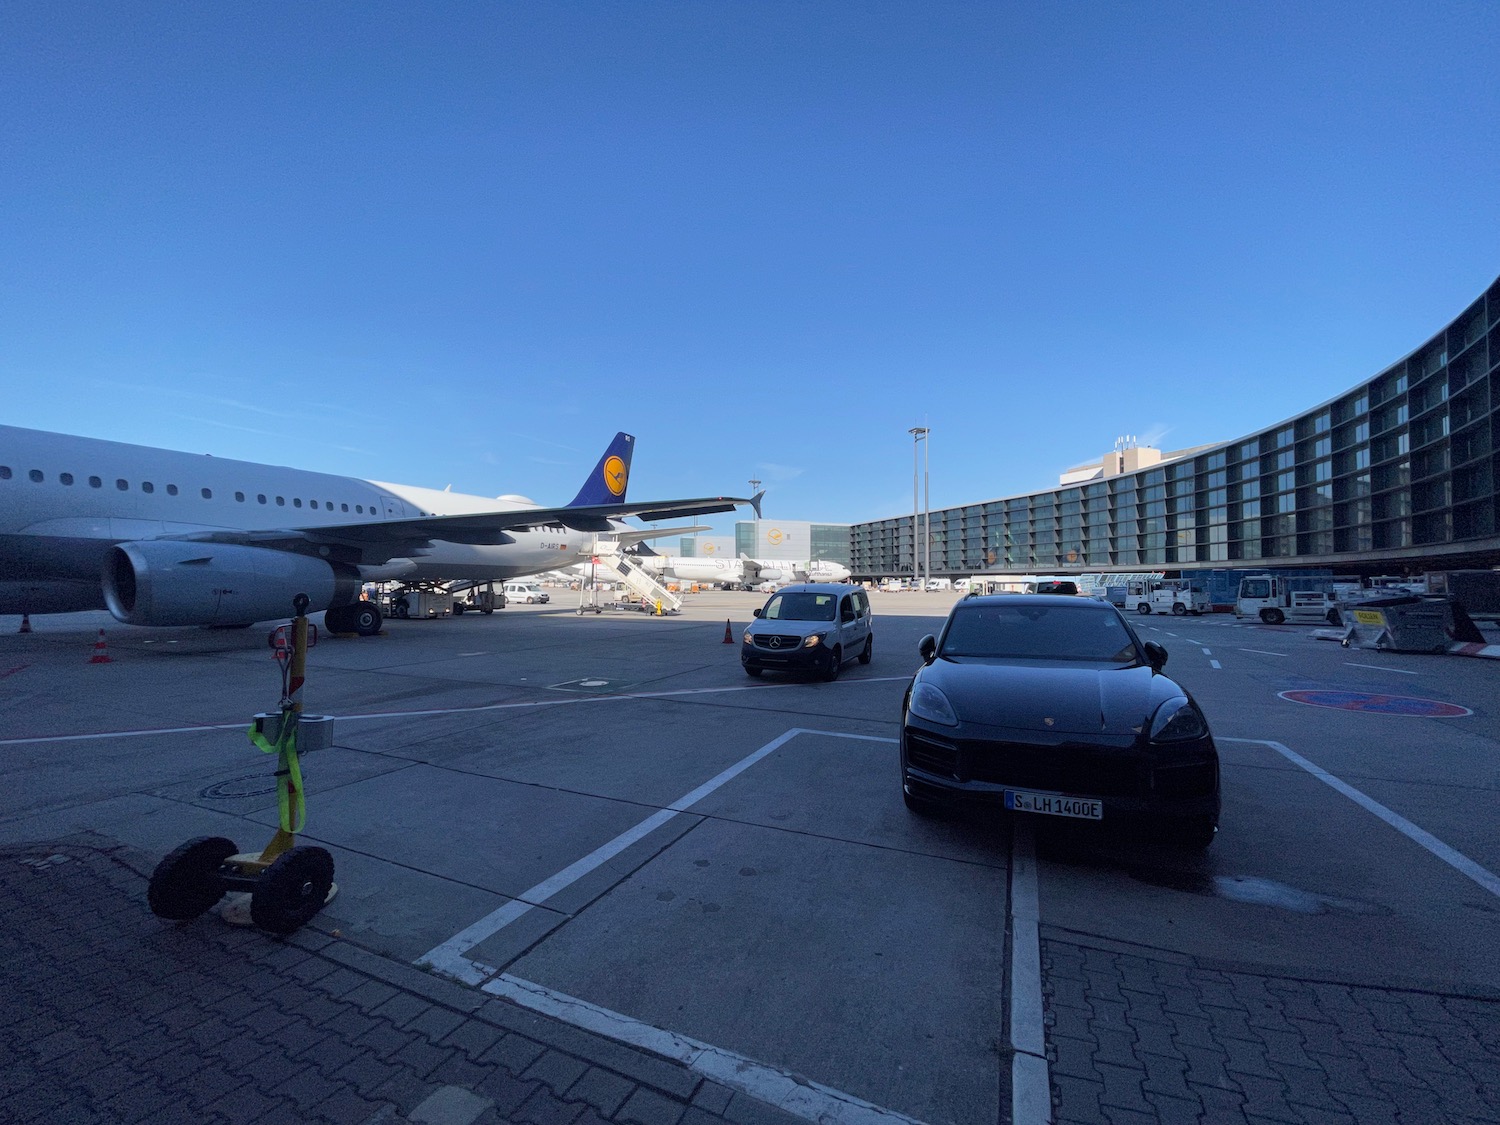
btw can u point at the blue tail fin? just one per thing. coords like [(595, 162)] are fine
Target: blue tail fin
[(606, 484)]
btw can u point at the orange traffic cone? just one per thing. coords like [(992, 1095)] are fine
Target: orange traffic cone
[(25, 623), (101, 651), (728, 634)]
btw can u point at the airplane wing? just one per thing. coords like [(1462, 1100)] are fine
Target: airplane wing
[(376, 541)]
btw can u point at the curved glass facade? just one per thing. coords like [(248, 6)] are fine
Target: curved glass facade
[(1399, 472)]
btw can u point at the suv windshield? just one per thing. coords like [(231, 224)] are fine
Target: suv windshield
[(1035, 632), (801, 606)]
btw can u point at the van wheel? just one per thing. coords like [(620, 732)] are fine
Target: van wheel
[(864, 657), (1143, 609), (835, 663)]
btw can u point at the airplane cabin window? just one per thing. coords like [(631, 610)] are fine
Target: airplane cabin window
[(328, 504), (296, 501), (207, 493), (312, 503), (343, 507), (147, 486), (95, 482), (260, 498), (240, 496), (281, 501), (360, 508), (36, 475), (4, 472), (66, 478), (123, 485), (171, 490)]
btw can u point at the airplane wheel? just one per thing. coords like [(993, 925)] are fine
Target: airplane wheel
[(292, 890), (366, 619), (186, 882)]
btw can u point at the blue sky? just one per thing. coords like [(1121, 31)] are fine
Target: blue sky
[(463, 244)]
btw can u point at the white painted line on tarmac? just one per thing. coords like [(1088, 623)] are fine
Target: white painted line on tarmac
[(791, 1093), (1381, 668), (1208, 652), (1262, 652), (1215, 664), (1030, 1084), (1451, 856), (572, 701), (449, 956)]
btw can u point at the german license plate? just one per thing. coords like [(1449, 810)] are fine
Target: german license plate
[(1054, 804)]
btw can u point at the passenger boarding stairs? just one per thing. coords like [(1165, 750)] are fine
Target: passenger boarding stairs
[(656, 597)]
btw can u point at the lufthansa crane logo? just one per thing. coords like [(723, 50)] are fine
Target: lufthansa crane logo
[(774, 535), (614, 475)]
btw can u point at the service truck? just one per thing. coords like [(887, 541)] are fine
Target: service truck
[(1271, 598), (1171, 597)]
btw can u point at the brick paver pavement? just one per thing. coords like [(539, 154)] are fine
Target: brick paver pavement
[(111, 1015), (1141, 1036)]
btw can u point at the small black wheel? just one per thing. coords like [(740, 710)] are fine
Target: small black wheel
[(458, 609), (1272, 616), (187, 882), (1333, 617), (1143, 609), (864, 657), (487, 611), (291, 890), (834, 665), (403, 609), (1178, 609), (366, 619), (753, 672)]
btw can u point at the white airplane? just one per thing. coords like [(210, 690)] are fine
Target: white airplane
[(166, 538), (743, 571), (795, 570)]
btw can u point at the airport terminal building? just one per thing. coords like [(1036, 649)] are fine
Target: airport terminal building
[(1396, 475)]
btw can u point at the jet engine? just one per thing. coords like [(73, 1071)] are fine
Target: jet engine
[(172, 582)]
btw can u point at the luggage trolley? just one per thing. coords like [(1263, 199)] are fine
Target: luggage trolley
[(288, 883)]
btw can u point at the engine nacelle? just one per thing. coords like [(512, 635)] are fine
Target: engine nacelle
[(171, 582)]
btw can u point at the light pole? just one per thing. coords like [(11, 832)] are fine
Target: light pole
[(919, 445)]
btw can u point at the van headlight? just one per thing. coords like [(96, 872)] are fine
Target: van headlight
[(814, 641)]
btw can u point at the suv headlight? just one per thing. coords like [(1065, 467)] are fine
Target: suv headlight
[(1178, 720), (927, 702)]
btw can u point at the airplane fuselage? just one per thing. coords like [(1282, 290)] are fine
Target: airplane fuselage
[(67, 500)]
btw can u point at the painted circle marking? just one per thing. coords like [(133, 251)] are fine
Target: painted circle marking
[(1377, 703)]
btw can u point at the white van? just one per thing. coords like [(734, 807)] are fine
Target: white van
[(527, 592)]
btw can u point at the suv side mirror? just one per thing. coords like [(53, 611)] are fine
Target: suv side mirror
[(1156, 655), (927, 648)]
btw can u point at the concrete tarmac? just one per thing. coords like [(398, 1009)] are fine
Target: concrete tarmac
[(596, 834)]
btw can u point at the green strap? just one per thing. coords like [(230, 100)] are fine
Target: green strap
[(290, 800)]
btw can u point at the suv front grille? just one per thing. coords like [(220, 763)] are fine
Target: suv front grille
[(783, 642)]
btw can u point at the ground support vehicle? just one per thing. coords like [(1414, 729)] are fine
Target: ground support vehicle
[(414, 602), (286, 883), (1272, 599), (1170, 598)]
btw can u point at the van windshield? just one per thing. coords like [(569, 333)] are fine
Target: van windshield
[(801, 606)]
